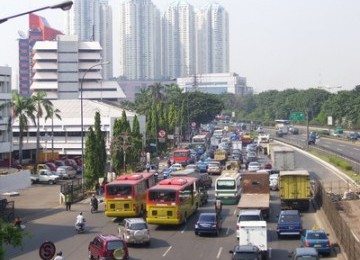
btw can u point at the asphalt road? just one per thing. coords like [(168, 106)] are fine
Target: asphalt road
[(47, 221)]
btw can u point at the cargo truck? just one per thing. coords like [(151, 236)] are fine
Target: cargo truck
[(283, 158), (220, 156), (255, 192), (254, 233), (295, 189)]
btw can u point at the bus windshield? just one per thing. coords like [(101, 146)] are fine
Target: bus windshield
[(119, 190), (225, 184), (162, 196)]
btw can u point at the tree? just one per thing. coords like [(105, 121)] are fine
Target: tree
[(23, 109), (100, 149), (90, 159), (9, 235), (53, 112), (41, 105)]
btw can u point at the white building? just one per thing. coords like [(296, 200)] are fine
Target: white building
[(140, 57), (212, 26), (91, 20), (179, 43), (5, 113), (216, 83), (67, 131), (64, 67)]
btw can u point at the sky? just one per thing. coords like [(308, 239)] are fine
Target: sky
[(275, 44)]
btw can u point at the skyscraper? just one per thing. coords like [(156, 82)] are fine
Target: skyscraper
[(179, 40), (212, 40), (140, 40), (91, 20), (39, 30)]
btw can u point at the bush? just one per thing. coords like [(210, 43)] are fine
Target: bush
[(340, 163)]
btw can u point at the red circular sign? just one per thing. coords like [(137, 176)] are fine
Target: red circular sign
[(47, 250), (162, 133)]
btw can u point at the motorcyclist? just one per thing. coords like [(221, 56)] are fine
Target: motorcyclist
[(94, 202), (80, 220)]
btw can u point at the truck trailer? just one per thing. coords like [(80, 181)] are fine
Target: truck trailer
[(295, 189), (283, 158)]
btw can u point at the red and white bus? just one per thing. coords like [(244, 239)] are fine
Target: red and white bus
[(172, 201), (126, 195)]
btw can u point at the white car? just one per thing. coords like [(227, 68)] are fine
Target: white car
[(253, 166)]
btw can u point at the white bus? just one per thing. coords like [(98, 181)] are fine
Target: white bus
[(228, 187), (200, 140)]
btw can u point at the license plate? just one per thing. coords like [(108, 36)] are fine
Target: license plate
[(317, 245)]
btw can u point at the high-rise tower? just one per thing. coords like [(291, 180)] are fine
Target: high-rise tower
[(91, 20), (140, 41)]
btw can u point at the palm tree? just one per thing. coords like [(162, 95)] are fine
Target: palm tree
[(23, 109), (41, 105), (53, 112), (156, 92)]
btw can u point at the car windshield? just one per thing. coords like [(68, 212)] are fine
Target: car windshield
[(318, 235), (112, 245), (138, 226), (246, 256), (207, 218), (225, 184), (249, 218)]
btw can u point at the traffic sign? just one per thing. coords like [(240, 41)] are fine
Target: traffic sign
[(193, 124), (297, 116), (47, 250), (162, 133)]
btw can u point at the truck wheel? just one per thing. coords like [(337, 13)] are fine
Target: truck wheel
[(51, 182)]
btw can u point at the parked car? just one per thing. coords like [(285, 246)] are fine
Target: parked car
[(134, 231), (289, 223), (108, 247), (73, 163), (253, 166), (51, 166), (66, 172), (208, 223), (316, 238)]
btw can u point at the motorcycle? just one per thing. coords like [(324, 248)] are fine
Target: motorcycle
[(94, 206), (80, 227)]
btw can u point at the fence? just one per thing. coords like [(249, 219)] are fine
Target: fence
[(74, 188), (330, 204)]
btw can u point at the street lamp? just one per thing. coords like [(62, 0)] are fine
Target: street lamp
[(63, 6), (82, 116)]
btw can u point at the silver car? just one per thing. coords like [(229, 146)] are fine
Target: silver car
[(134, 231)]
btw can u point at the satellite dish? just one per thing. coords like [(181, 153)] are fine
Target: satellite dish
[(22, 34)]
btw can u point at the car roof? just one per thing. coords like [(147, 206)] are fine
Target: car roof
[(207, 214), (135, 220), (289, 212), (306, 251), (250, 212), (110, 237)]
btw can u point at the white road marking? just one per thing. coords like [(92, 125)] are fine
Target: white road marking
[(183, 230), (167, 251), (339, 149), (356, 149), (219, 253), (227, 231), (234, 212)]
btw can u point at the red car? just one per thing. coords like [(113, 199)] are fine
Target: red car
[(108, 247)]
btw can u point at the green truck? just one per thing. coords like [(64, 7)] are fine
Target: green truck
[(295, 189)]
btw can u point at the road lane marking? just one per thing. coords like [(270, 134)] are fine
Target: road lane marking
[(356, 149), (183, 230), (219, 253), (339, 149), (234, 212), (227, 231), (167, 251)]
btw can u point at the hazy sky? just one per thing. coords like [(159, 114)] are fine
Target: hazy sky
[(275, 44)]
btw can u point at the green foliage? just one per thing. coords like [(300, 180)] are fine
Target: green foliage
[(90, 159), (10, 235), (340, 163)]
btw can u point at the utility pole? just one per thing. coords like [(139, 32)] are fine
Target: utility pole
[(121, 143)]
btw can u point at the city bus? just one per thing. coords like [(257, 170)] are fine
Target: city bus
[(202, 140), (126, 195), (228, 187), (172, 201)]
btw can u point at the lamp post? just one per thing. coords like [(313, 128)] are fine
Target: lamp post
[(82, 116), (63, 6)]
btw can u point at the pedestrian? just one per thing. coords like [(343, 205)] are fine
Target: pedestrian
[(68, 201), (148, 167), (59, 256)]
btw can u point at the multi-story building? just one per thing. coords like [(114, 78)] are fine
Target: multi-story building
[(212, 47), (91, 20), (215, 83), (179, 46), (39, 30), (71, 69), (5, 113), (140, 44)]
